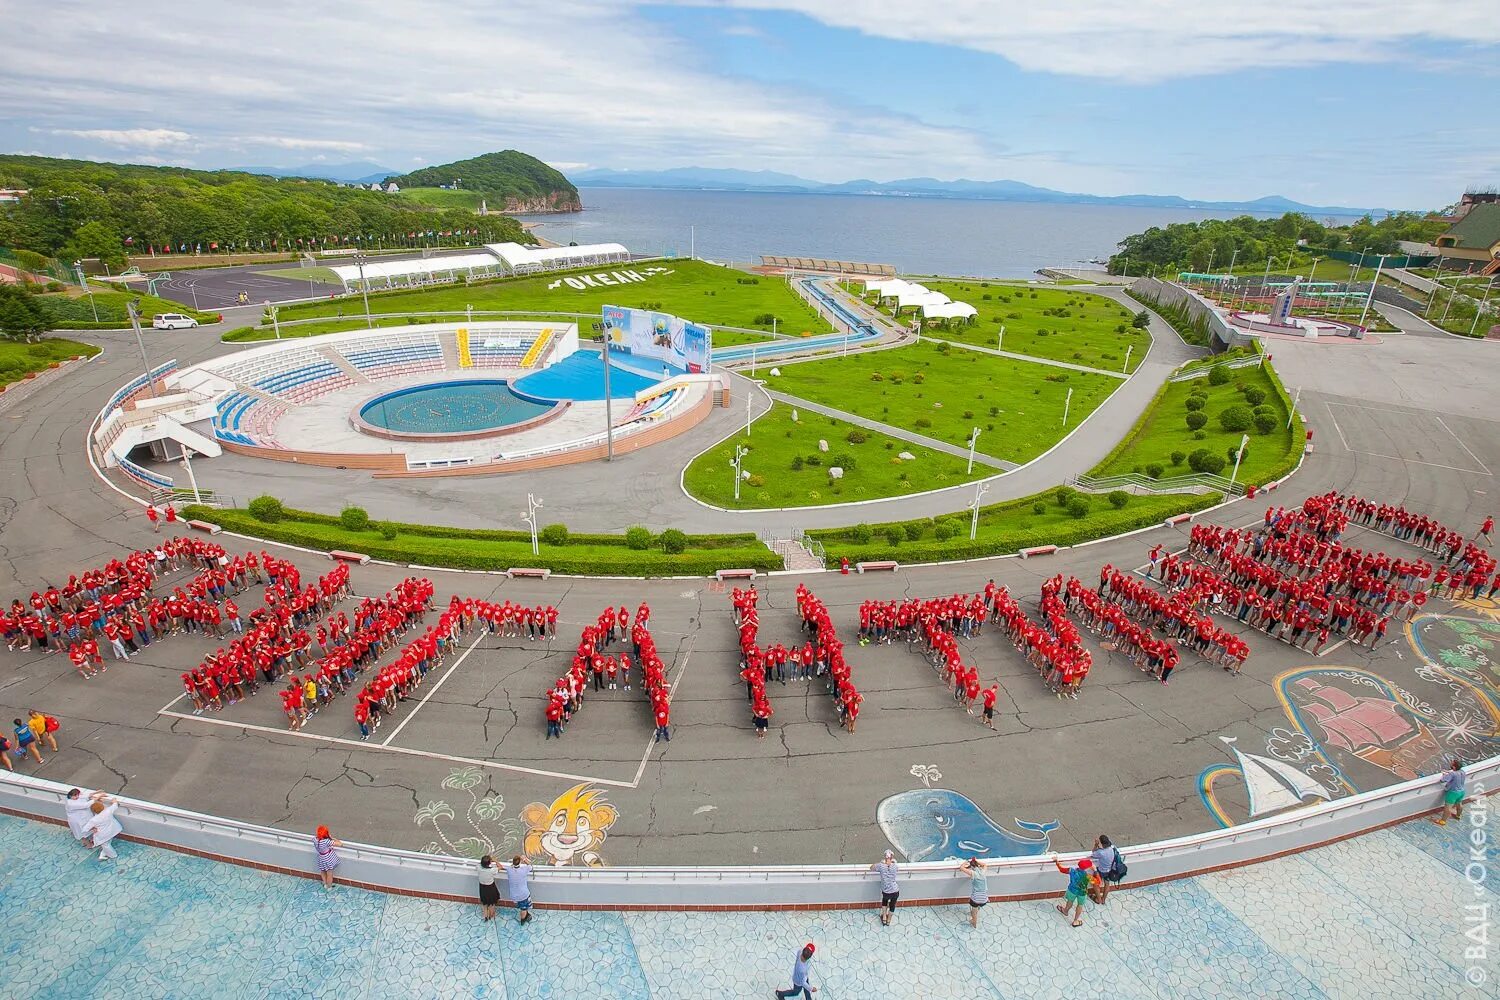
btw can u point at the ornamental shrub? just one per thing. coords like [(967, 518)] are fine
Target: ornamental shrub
[(1194, 402), (1039, 508), (673, 541), (1255, 396), (555, 534), (894, 535), (354, 519), (913, 530), (1154, 470), (1218, 375), (1177, 457), (1118, 499), (856, 437), (638, 537), (1078, 507), (388, 532), (1063, 494), (1196, 419), (266, 508), (861, 534), (1265, 423), (1236, 418), (944, 531)]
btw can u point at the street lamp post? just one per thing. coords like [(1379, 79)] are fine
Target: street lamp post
[(1244, 440), (1296, 401), (532, 506), (364, 288), (1126, 366), (83, 283), (1067, 403), (1000, 339), (973, 440), (1371, 297), (275, 324), (740, 451), (609, 419), (187, 463), (1480, 309), (979, 491), (133, 311)]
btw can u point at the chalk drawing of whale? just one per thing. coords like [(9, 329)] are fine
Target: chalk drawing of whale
[(937, 824)]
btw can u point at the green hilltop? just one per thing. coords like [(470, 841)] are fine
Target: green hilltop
[(516, 181)]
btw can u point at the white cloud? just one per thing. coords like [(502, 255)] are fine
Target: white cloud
[(129, 138), (293, 142), (1143, 41)]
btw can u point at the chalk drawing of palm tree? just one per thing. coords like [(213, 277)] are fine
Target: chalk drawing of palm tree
[(432, 812), (928, 773), (486, 809)]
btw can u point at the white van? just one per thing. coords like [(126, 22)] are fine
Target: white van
[(172, 321)]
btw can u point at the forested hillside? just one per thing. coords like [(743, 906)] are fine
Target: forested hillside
[(511, 180), (78, 208)]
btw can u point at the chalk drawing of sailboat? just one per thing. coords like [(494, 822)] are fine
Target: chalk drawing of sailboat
[(1270, 784)]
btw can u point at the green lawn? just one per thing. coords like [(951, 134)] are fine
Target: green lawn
[(1050, 323), (733, 338), (65, 311), (17, 359), (1041, 519), (788, 470), (355, 320), (439, 198), (945, 393), (479, 549), (320, 274), (694, 290), (1163, 430)]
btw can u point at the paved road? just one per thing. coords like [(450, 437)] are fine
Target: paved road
[(1407, 421)]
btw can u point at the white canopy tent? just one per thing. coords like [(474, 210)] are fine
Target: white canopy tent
[(948, 310), (519, 259), (385, 274), (918, 295)]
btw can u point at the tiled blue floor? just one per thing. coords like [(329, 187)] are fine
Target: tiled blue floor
[(1379, 916)]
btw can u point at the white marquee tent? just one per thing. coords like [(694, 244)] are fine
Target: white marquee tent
[(386, 274), (519, 259)]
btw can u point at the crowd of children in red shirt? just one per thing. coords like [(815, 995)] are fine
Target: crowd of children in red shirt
[(611, 671), (1124, 610), (820, 654)]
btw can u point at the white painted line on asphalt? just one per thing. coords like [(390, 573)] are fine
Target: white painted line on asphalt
[(1334, 646), (1462, 445), (434, 689), (381, 748), (1329, 407), (671, 694), (1417, 461)]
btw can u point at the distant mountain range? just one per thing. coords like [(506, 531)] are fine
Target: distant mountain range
[(712, 179), (361, 172)]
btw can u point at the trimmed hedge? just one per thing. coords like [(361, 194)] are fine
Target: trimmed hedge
[(457, 549)]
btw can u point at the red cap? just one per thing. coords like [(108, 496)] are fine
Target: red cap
[(1086, 864), (809, 948)]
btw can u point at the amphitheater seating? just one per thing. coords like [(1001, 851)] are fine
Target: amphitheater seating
[(496, 353), (394, 355), (243, 418)]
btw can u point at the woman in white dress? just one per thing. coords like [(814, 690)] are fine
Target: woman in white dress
[(104, 826), (78, 809)]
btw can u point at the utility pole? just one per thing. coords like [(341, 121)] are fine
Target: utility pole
[(135, 324), (979, 491), (364, 288)]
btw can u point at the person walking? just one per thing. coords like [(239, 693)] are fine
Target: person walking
[(1487, 529), (328, 859), (489, 896), (801, 968), (979, 888), (1079, 877), (153, 517), (103, 826), (26, 741), (1109, 864), (5, 749), (43, 727), (889, 889), (1453, 793), (78, 808), (517, 875)]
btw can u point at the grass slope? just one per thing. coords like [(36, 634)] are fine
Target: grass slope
[(1080, 328), (1163, 430), (17, 359), (436, 197), (695, 290), (73, 311), (944, 393), (320, 274), (788, 470)]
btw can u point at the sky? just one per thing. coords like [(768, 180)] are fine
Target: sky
[(1379, 104)]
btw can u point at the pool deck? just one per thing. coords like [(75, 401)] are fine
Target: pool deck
[(1383, 915)]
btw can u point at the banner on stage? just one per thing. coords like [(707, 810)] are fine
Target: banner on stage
[(658, 337)]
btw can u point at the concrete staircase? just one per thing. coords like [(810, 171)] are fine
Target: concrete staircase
[(342, 363), (795, 554)]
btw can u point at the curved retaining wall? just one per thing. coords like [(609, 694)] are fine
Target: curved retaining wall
[(752, 888)]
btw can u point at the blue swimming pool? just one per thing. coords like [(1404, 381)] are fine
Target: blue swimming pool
[(464, 407)]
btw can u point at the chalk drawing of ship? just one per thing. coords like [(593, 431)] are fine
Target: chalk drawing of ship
[(1272, 785)]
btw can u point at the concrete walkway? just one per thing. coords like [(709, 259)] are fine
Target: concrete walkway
[(892, 431), (1327, 923)]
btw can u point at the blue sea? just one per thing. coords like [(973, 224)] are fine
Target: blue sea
[(919, 235)]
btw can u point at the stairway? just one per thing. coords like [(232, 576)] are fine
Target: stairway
[(795, 555), (342, 363)]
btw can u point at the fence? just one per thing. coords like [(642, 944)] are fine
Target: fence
[(1199, 483), (753, 887)]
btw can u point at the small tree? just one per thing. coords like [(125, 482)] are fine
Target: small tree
[(1196, 419), (266, 508), (1236, 418), (20, 317), (1142, 320)]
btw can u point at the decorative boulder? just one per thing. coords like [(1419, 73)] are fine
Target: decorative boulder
[(775, 371), (907, 456), (822, 445), (834, 472)]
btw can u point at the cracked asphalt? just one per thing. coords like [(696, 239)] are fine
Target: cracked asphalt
[(1124, 758)]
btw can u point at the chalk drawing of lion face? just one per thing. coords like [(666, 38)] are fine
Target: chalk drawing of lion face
[(572, 829)]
